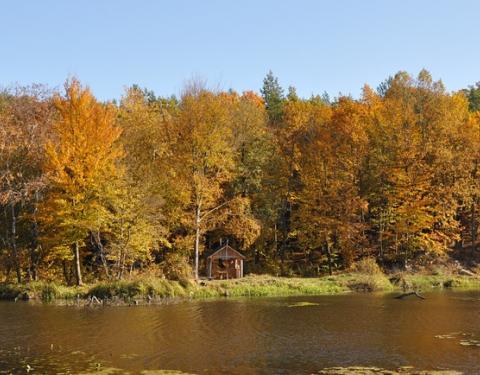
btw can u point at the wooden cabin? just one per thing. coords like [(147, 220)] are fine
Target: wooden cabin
[(225, 263)]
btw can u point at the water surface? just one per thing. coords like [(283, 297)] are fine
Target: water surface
[(245, 336)]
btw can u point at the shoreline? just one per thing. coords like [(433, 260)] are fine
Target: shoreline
[(151, 291)]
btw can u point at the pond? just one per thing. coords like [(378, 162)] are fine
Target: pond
[(298, 335)]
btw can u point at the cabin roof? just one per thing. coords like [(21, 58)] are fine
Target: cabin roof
[(226, 252)]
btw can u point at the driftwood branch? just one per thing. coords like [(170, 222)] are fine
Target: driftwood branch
[(402, 296), (463, 271), (94, 300)]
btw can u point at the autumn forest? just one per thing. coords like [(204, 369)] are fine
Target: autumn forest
[(93, 190)]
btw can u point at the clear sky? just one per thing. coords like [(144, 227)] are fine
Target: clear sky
[(334, 46)]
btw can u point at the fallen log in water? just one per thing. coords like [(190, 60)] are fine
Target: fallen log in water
[(93, 300), (402, 296)]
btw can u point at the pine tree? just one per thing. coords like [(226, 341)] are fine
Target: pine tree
[(273, 96)]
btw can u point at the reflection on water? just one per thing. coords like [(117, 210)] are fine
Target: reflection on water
[(244, 336)]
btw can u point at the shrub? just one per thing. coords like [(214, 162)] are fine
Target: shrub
[(368, 266), (9, 291), (49, 292), (369, 277), (370, 283), (177, 267)]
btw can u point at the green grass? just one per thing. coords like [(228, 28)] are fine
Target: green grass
[(440, 281), (260, 286), (156, 289), (360, 370), (44, 291), (147, 288), (140, 288)]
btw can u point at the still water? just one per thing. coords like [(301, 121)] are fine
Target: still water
[(244, 336)]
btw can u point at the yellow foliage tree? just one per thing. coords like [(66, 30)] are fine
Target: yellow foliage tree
[(412, 176), (81, 160), (202, 159), (330, 209)]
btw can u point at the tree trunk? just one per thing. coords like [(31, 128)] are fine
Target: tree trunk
[(275, 241), (14, 244), (32, 269), (381, 236), (76, 258), (122, 266), (473, 227), (197, 240), (33, 262), (329, 257), (119, 263), (65, 273), (98, 242), (34, 245), (7, 272), (285, 230), (396, 243)]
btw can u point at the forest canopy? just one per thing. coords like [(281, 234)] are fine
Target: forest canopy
[(93, 190)]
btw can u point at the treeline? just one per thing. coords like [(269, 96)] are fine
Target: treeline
[(92, 190)]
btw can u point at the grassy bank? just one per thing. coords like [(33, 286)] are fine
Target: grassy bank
[(359, 370), (353, 370), (150, 289)]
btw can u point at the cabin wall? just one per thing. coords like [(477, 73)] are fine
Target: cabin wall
[(232, 269)]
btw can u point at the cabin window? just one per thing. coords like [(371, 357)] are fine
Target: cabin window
[(220, 263)]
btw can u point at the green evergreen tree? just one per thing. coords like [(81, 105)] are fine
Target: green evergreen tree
[(273, 96), (473, 95)]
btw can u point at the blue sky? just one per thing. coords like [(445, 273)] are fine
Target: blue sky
[(334, 46)]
